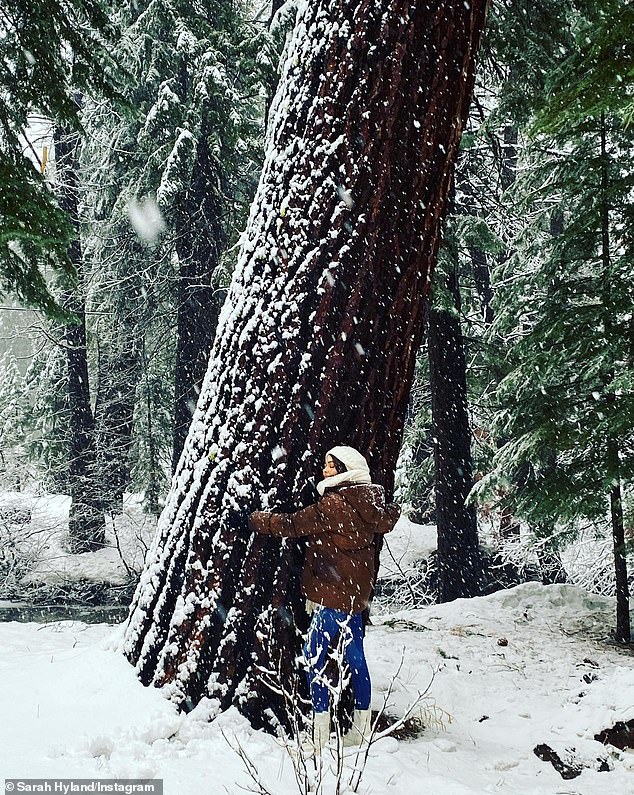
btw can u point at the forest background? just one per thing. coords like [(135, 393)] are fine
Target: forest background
[(133, 139)]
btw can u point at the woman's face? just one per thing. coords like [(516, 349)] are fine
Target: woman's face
[(329, 467)]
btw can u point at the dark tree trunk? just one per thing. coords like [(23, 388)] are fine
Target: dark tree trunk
[(317, 339), (200, 239), (508, 174), (119, 372), (508, 171), (482, 281), (613, 465), (152, 491), (460, 572), (86, 525), (509, 526), (623, 630), (550, 565)]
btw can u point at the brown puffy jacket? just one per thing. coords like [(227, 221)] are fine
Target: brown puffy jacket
[(339, 567)]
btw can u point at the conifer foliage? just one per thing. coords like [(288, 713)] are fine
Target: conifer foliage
[(318, 336), (565, 404), (86, 525), (39, 76), (180, 168)]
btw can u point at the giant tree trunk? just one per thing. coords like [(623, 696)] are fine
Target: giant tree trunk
[(317, 339), (460, 571), (86, 524)]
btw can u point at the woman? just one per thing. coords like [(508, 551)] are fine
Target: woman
[(338, 575)]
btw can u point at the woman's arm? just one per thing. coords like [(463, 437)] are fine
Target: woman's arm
[(318, 518)]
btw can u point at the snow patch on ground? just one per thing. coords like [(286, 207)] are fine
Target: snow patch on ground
[(73, 706), (405, 546), (43, 540)]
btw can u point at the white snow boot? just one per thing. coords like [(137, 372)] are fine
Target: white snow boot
[(360, 730), (314, 740), (321, 730)]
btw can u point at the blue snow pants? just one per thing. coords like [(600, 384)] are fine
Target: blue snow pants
[(324, 628)]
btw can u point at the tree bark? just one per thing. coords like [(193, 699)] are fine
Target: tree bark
[(623, 629), (200, 240), (508, 166), (197, 317), (508, 175), (482, 281), (317, 339), (551, 566), (152, 492), (86, 524), (119, 373), (613, 465), (460, 572)]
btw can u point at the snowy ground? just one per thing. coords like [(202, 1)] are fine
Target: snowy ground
[(41, 541), (509, 671), (72, 706)]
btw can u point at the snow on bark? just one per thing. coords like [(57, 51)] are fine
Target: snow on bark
[(317, 339)]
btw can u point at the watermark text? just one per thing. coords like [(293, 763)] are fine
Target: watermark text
[(67, 786)]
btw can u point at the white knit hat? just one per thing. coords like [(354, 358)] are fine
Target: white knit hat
[(357, 469)]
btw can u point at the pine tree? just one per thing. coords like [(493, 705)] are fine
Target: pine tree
[(459, 564), (153, 440), (45, 414), (38, 76), (460, 311), (86, 522), (519, 40), (568, 458), (571, 60), (317, 338), (13, 457), (597, 73), (186, 160)]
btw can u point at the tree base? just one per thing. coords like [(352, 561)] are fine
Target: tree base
[(86, 530)]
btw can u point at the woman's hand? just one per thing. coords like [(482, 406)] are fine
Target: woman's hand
[(260, 522)]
